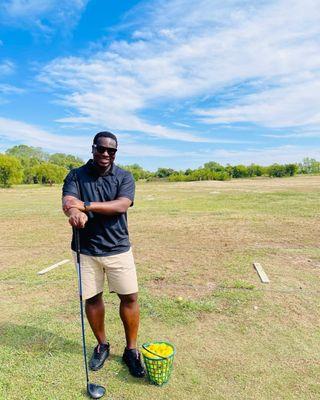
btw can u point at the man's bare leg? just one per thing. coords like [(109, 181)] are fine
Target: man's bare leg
[(95, 313), (130, 316)]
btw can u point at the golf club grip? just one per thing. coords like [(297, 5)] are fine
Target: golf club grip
[(76, 235)]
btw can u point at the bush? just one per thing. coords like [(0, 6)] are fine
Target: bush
[(200, 174), (239, 171), (137, 171), (255, 170), (10, 170), (276, 170), (291, 169), (47, 173), (28, 164), (309, 166), (164, 172), (178, 178)]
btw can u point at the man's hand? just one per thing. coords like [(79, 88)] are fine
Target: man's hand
[(72, 202), (77, 218)]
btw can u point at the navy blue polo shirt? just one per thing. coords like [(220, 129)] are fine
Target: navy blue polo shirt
[(103, 235)]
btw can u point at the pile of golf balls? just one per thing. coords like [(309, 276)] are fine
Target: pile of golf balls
[(162, 349)]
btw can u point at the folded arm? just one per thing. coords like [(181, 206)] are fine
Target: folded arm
[(113, 207), (77, 218)]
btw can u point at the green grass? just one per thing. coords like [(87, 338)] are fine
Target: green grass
[(194, 245)]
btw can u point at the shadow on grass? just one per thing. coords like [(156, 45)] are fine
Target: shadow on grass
[(35, 340), (123, 374)]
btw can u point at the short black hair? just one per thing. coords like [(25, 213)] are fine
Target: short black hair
[(105, 134)]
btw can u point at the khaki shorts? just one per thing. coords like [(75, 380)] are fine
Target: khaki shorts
[(119, 269)]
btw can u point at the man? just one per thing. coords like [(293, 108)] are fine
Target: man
[(96, 198)]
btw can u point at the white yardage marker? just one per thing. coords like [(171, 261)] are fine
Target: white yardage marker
[(44, 271), (263, 276)]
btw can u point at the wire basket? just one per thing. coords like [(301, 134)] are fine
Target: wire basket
[(159, 367)]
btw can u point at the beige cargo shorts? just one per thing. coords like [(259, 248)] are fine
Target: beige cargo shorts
[(119, 269)]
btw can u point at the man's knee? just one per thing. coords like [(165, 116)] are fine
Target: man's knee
[(94, 300), (128, 298)]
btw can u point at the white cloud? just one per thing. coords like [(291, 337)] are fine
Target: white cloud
[(289, 105), (181, 124), (18, 131), (7, 67), (264, 57), (264, 156), (9, 89), (14, 132), (43, 15), (304, 133)]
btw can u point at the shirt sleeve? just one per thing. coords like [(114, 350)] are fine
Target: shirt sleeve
[(127, 187), (70, 187)]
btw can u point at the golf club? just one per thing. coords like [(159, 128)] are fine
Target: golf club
[(93, 390)]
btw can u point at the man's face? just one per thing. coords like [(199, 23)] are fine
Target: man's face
[(104, 152)]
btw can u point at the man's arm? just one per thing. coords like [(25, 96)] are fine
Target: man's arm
[(113, 207), (77, 218)]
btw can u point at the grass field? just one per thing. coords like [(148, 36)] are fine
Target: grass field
[(235, 337)]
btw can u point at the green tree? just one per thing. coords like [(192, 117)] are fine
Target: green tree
[(47, 173), (214, 166), (29, 157), (291, 169), (28, 164), (10, 170), (24, 151), (137, 171), (309, 166), (255, 170), (164, 172), (65, 160), (239, 171), (276, 170)]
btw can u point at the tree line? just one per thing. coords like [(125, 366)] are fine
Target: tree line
[(27, 164), (215, 171)]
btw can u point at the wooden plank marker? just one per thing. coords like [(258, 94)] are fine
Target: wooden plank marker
[(262, 275), (44, 271)]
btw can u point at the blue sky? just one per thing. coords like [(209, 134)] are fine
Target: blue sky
[(180, 82)]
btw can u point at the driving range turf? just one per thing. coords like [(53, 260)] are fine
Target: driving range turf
[(194, 245)]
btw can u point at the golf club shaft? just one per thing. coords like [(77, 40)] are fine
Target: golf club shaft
[(77, 242)]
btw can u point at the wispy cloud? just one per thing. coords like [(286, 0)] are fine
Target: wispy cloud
[(263, 56), (105, 92), (9, 89), (12, 131), (7, 67), (309, 132), (43, 15), (265, 156), (289, 105)]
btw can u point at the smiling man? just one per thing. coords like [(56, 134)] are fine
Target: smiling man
[(96, 198)]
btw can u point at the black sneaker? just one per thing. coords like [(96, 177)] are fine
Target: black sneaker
[(99, 356), (132, 359)]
